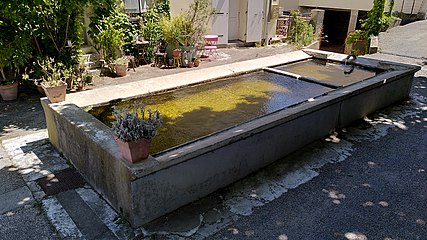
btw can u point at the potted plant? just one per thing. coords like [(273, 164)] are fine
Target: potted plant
[(88, 78), (185, 30), (8, 90), (356, 42), (133, 131), (120, 66), (15, 50), (53, 79)]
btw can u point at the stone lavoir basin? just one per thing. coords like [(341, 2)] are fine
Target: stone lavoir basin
[(220, 123), (194, 112)]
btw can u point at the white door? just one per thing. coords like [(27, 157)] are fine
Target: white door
[(255, 18), (233, 20), (220, 20), (243, 7)]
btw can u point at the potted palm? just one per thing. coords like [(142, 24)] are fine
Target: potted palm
[(133, 131), (53, 79)]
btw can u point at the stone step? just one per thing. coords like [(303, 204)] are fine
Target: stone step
[(82, 213)]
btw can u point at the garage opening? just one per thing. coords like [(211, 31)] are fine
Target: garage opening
[(335, 27)]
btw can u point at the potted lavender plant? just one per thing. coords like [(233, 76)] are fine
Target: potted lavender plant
[(133, 131)]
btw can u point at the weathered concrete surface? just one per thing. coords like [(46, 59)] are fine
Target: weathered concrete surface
[(138, 88), (15, 198), (219, 159), (378, 192), (405, 40)]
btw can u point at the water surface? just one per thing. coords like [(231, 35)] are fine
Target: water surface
[(193, 112), (335, 73)]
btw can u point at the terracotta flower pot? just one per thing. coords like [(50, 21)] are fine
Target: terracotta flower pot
[(121, 69), (56, 94), (9, 92), (197, 63), (134, 151), (176, 53)]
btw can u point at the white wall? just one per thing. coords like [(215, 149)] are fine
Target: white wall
[(406, 6), (177, 6), (400, 5), (288, 5), (365, 5)]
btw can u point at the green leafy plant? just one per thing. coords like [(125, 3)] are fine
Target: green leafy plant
[(37, 29), (355, 36), (301, 32), (54, 73), (188, 28), (121, 61), (377, 20), (136, 124), (111, 29), (152, 31)]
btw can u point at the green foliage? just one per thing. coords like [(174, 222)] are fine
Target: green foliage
[(188, 28), (390, 8), (121, 61), (40, 28), (15, 48), (301, 32), (377, 20), (111, 29), (355, 36), (54, 73), (152, 31)]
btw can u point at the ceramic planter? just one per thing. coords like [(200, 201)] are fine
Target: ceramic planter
[(9, 92), (121, 69), (56, 94), (197, 63), (134, 151)]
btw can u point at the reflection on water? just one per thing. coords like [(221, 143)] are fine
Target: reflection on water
[(339, 74), (197, 111)]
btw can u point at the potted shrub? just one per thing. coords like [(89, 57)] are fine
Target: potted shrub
[(120, 66), (9, 90), (133, 131), (53, 79), (15, 50), (185, 30), (356, 43)]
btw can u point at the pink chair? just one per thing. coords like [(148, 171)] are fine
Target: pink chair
[(211, 42)]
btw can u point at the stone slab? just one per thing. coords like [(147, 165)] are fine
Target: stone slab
[(85, 219), (14, 199)]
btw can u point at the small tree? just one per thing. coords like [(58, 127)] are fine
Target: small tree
[(188, 28), (377, 19), (152, 30), (111, 29), (301, 32), (15, 42)]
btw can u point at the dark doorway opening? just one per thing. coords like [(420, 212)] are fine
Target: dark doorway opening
[(335, 26)]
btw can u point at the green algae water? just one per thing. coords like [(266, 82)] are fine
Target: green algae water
[(194, 112), (338, 74)]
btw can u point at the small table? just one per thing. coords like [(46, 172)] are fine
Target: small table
[(141, 48)]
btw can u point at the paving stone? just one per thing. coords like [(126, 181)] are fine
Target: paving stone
[(85, 219), (14, 199)]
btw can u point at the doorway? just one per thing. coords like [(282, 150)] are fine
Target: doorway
[(335, 27), (234, 20)]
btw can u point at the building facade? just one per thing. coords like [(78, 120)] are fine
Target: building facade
[(240, 20)]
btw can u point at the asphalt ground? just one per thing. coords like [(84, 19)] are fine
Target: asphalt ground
[(373, 187)]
